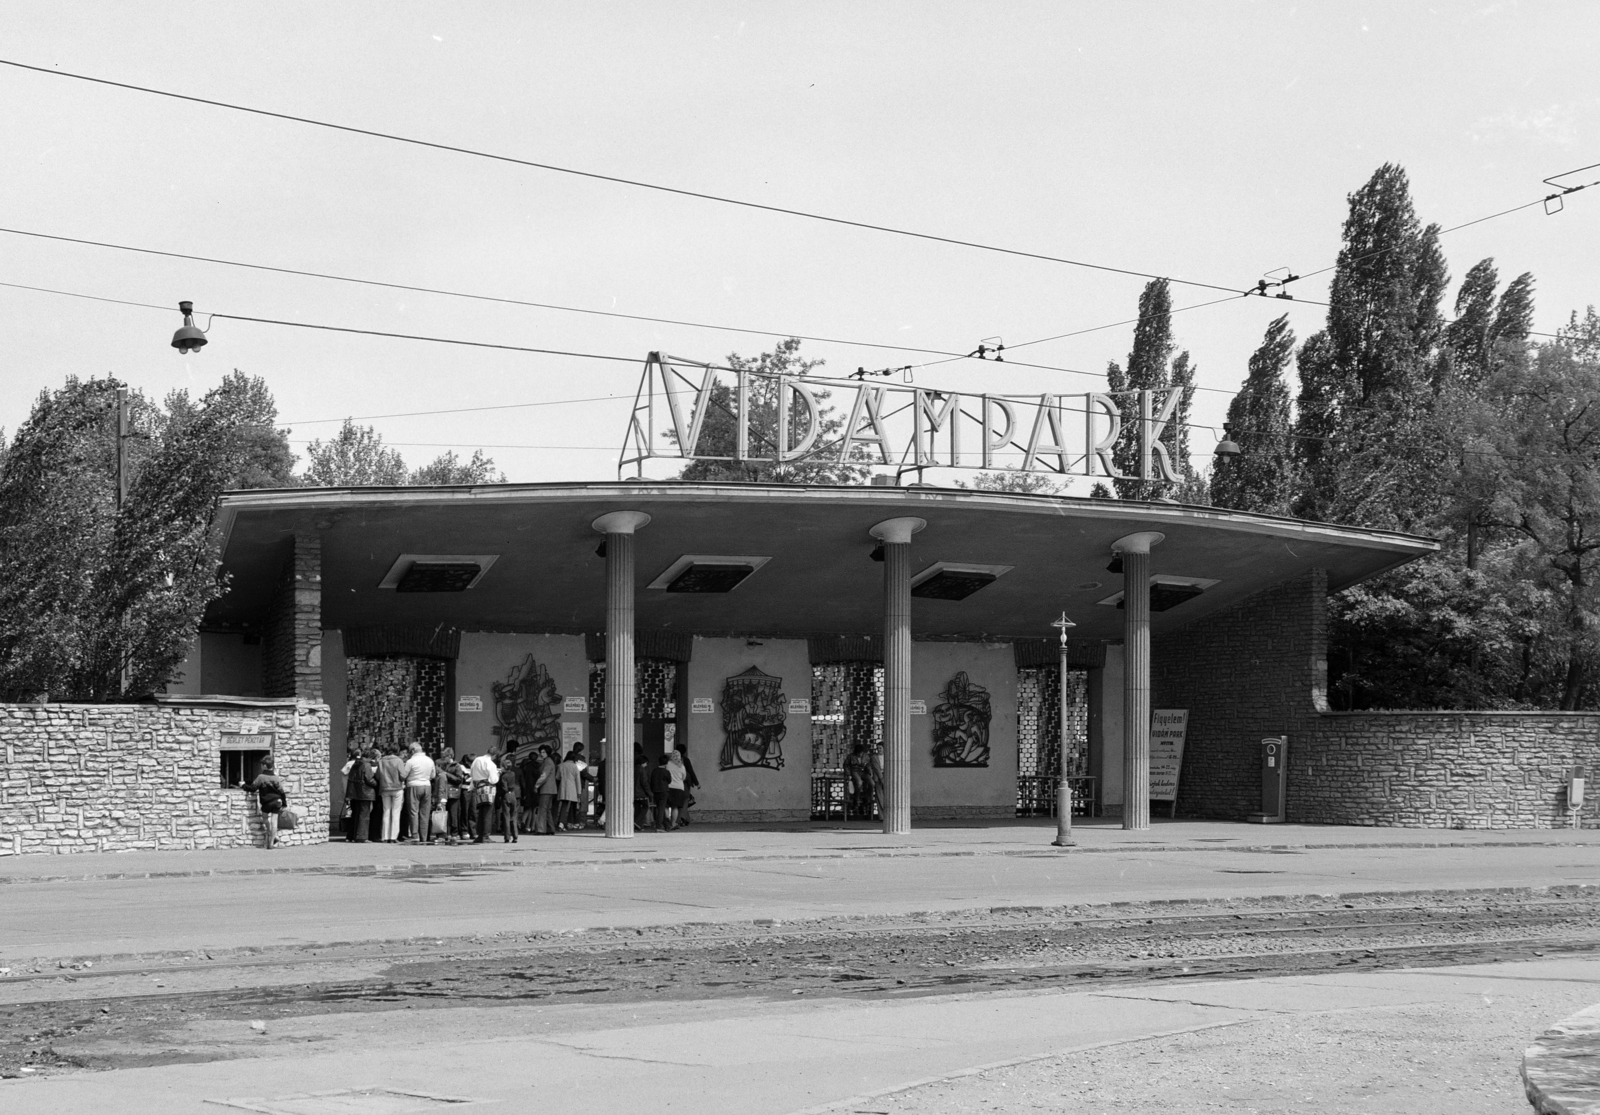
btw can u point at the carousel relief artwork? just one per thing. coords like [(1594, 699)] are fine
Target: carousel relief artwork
[(527, 708), (754, 711), (961, 724)]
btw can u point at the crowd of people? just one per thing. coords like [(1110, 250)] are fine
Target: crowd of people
[(398, 795)]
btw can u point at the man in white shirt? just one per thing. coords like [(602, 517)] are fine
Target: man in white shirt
[(485, 777), (419, 771)]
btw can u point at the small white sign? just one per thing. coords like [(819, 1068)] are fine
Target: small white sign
[(919, 708), (801, 705), (469, 704), (575, 704), (250, 728), (571, 732), (701, 704)]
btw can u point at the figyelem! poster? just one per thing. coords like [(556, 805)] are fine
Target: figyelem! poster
[(1167, 729)]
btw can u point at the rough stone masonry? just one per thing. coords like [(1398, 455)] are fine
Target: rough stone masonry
[(101, 778)]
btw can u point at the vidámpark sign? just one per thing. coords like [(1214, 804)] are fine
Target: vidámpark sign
[(892, 424)]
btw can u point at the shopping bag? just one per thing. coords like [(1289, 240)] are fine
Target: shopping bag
[(441, 823), (287, 819)]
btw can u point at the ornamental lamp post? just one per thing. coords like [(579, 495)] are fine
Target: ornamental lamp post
[(1063, 787)]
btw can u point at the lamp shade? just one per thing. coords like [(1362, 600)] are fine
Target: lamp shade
[(189, 338)]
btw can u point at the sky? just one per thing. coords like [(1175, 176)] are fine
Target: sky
[(1209, 143)]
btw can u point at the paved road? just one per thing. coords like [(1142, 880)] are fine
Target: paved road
[(751, 1056), (711, 877)]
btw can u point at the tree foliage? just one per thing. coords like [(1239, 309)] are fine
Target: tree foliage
[(447, 468), (99, 602), (1152, 366), (1364, 378), (354, 457), (719, 433), (1262, 477)]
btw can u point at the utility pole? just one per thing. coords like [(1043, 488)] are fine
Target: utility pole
[(122, 447)]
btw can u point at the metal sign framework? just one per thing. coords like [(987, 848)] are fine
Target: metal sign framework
[(889, 424)]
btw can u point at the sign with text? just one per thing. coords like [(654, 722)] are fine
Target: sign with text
[(800, 706), (575, 704), (919, 708), (469, 704), (1168, 726), (891, 423), (571, 733), (701, 705)]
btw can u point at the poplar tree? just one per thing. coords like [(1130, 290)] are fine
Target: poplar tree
[(1368, 376), (1151, 366), (1262, 477)]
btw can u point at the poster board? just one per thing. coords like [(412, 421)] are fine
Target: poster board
[(1168, 727)]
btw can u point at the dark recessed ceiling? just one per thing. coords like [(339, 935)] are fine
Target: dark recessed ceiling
[(952, 584), (438, 576), (1163, 597), (704, 577)]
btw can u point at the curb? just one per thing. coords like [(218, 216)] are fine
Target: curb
[(1561, 1071), (1043, 851)]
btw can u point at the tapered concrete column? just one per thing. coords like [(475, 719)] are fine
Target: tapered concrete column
[(895, 534), (618, 527), (1135, 551)]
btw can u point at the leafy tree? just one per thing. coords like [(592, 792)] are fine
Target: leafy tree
[(99, 602), (719, 433), (1581, 336), (1534, 473), (1013, 479), (1262, 477), (354, 457), (447, 468), (1485, 322), (1365, 376), (257, 450), (1151, 366)]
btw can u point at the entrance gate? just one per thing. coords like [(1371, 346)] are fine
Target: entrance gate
[(846, 710), (1039, 736)]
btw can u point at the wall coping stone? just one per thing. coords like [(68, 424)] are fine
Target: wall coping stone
[(1561, 1071)]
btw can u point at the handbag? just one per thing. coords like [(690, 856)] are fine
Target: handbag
[(287, 819), (441, 823)]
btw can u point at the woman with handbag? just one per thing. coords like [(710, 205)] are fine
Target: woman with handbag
[(360, 790), (269, 791)]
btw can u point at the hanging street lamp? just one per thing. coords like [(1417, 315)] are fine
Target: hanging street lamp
[(190, 338)]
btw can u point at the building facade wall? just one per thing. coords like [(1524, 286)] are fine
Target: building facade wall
[(489, 657), (102, 778), (944, 793), (1260, 670), (749, 793)]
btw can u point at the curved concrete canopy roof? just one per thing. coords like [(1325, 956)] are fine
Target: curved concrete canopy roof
[(819, 579)]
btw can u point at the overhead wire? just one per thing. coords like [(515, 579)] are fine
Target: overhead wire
[(497, 299), (614, 179)]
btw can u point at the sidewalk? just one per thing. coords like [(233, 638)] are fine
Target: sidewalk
[(1405, 1041), (804, 842), (93, 906)]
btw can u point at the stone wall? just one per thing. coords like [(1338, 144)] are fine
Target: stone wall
[(101, 778), (1260, 670), (291, 652)]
